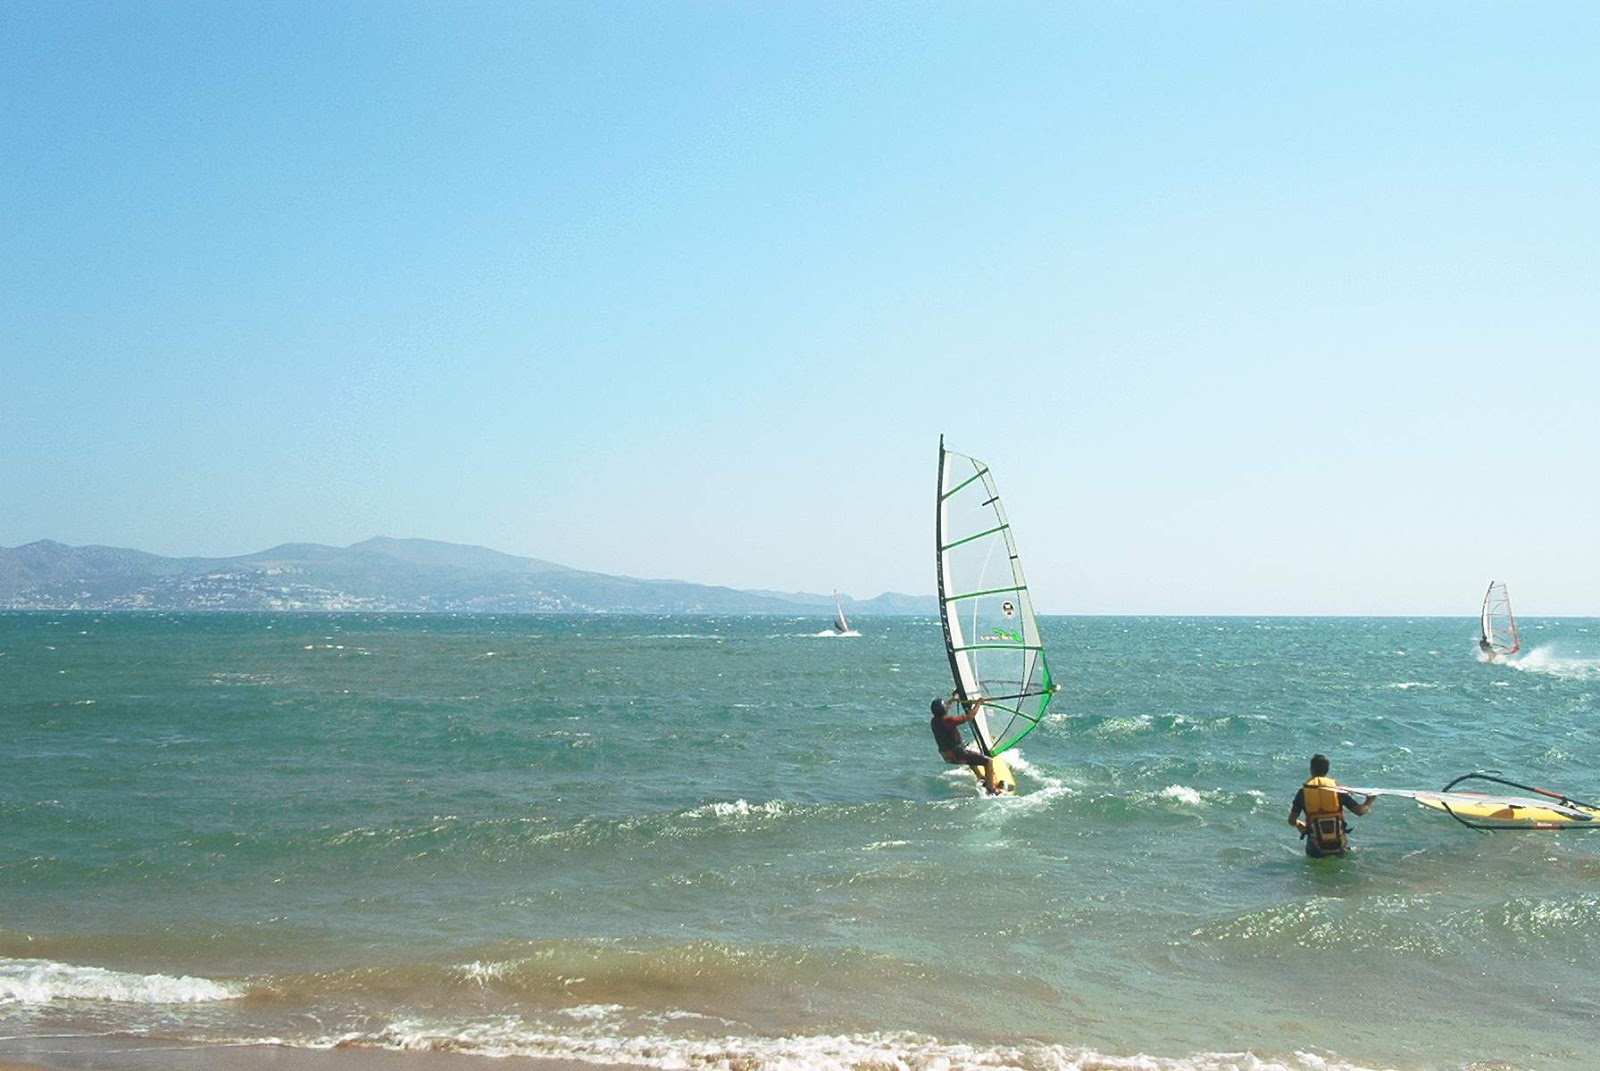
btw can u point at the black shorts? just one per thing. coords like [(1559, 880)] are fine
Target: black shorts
[(967, 756)]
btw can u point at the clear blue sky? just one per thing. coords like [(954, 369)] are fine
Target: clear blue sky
[(1253, 307)]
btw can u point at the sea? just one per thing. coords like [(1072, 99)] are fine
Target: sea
[(728, 843)]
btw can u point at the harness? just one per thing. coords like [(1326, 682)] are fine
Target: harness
[(1324, 814)]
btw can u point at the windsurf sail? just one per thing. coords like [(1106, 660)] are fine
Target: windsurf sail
[(840, 625), (1540, 809), (1497, 624), (990, 633)]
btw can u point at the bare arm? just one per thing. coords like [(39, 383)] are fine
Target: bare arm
[(972, 705)]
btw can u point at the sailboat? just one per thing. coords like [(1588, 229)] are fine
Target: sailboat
[(990, 633), (841, 625), (1497, 625)]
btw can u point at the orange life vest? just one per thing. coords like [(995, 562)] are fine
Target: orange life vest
[(1324, 815)]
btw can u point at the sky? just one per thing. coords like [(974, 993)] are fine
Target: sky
[(1252, 308)]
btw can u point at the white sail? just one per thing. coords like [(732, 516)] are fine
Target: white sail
[(840, 625), (991, 635), (1498, 635)]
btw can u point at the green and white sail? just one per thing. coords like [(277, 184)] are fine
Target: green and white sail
[(989, 627)]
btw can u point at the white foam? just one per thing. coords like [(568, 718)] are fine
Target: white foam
[(588, 1042), (739, 809), (1545, 660), (593, 1013), (484, 973), (42, 981), (1124, 726), (1183, 794), (1049, 787)]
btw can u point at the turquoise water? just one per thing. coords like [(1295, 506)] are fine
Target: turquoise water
[(729, 843)]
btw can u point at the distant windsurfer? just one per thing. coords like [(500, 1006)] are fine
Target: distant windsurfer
[(946, 727), (1497, 625), (1323, 804)]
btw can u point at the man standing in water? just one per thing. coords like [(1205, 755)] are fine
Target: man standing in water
[(947, 735), (1322, 802)]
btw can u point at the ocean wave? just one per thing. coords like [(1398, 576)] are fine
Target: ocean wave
[(739, 809), (1135, 802), (1183, 794), (559, 974), (588, 1042), (1544, 660), (1410, 926), (1116, 726), (43, 981), (504, 837), (683, 636), (1321, 924), (1528, 923), (1039, 786), (339, 647), (1119, 727)]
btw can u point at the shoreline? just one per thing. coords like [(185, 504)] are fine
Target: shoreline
[(71, 1054)]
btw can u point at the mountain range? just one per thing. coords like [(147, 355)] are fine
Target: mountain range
[(379, 574)]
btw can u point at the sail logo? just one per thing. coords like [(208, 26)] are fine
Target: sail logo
[(1002, 634)]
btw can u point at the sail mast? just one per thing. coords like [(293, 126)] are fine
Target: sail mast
[(960, 670)]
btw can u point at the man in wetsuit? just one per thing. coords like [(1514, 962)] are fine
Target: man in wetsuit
[(946, 728), (1323, 803)]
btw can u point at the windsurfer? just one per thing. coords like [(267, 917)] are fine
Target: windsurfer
[(947, 734), (1323, 803)]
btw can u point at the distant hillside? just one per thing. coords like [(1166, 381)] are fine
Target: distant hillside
[(416, 575)]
